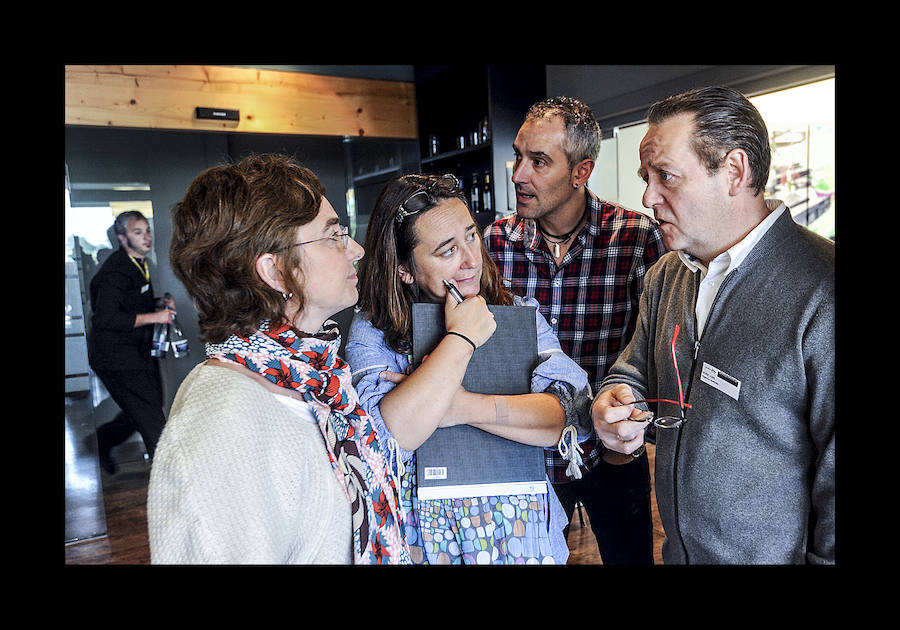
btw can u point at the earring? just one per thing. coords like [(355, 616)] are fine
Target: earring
[(575, 186), (286, 296)]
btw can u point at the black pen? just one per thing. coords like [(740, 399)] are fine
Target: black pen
[(454, 291)]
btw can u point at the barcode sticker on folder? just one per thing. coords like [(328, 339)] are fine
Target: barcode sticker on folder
[(436, 472), (464, 461)]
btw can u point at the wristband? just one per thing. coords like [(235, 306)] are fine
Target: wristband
[(471, 343)]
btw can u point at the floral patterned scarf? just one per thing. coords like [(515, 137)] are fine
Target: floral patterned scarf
[(310, 365)]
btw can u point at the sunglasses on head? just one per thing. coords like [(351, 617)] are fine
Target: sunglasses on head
[(421, 199)]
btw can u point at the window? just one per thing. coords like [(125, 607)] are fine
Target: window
[(801, 133)]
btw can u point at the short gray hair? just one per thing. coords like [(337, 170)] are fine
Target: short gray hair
[(582, 129)]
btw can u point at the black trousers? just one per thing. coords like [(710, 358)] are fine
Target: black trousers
[(617, 501), (139, 395)]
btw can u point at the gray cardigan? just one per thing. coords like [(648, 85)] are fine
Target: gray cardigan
[(747, 480)]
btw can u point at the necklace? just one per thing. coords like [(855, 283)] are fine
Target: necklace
[(563, 238)]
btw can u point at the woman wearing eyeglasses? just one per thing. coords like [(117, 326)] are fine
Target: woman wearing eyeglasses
[(267, 457), (421, 233)]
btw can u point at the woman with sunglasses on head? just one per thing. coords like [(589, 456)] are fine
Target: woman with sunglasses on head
[(267, 457), (421, 233)]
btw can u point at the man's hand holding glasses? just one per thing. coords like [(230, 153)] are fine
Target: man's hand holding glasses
[(619, 424)]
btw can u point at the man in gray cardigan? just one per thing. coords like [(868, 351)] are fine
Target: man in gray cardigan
[(747, 475)]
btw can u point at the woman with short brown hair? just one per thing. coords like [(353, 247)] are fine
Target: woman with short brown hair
[(267, 457)]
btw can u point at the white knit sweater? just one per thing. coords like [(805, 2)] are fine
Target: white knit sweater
[(240, 478)]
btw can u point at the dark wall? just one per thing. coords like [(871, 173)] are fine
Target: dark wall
[(323, 155)]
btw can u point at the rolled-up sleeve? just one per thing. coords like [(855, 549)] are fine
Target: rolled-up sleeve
[(368, 356), (558, 374)]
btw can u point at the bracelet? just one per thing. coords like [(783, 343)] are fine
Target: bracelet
[(471, 343)]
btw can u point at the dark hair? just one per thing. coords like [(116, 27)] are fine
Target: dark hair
[(582, 129), (229, 217), (120, 225), (723, 120), (385, 298)]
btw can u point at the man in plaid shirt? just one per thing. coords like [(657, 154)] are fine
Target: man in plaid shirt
[(583, 259)]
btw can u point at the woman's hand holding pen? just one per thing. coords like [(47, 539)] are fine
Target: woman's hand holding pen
[(470, 318), (419, 403)]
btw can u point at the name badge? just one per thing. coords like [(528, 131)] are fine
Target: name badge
[(145, 288), (725, 383)]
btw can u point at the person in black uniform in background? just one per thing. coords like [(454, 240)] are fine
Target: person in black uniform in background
[(124, 312)]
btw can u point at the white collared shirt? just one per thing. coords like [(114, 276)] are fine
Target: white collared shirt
[(720, 266)]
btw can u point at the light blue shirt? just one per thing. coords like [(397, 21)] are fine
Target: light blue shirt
[(368, 355)]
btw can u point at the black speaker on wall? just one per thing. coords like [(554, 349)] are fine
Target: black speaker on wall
[(217, 113)]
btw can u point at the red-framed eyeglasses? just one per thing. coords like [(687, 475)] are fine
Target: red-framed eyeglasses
[(671, 422)]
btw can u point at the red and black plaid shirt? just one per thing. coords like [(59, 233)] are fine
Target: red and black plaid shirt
[(591, 299)]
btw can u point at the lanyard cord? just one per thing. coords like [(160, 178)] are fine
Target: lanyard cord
[(145, 271)]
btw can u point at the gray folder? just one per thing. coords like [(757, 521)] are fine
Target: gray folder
[(463, 461)]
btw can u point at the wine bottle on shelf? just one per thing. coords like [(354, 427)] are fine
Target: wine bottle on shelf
[(475, 194), (485, 131), (487, 203), (475, 135)]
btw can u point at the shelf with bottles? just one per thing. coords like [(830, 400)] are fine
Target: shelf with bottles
[(377, 175), (479, 190), (457, 101), (369, 164), (455, 153), (476, 183), (378, 159), (476, 141)]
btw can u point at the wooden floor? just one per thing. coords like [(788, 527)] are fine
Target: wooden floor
[(583, 543), (125, 495)]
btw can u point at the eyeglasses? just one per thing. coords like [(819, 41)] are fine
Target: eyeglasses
[(416, 202), (666, 422), (341, 237), (671, 422)]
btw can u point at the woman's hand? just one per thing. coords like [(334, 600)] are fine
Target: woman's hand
[(471, 318), (393, 377)]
